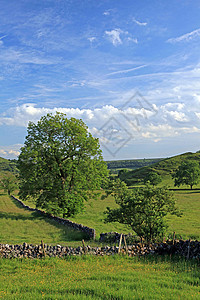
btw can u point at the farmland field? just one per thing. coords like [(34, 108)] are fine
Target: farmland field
[(91, 277), (18, 225)]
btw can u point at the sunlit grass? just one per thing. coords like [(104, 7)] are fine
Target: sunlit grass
[(18, 225), (100, 278)]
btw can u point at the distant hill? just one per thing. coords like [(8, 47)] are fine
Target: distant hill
[(8, 165), (164, 167), (131, 164)]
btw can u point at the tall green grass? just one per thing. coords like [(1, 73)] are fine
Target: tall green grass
[(100, 278)]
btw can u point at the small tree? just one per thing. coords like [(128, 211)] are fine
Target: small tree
[(142, 209), (8, 183), (153, 178), (61, 165), (122, 174), (187, 173)]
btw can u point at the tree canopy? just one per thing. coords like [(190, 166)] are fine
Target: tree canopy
[(143, 209), (187, 173), (153, 178), (8, 183), (60, 165)]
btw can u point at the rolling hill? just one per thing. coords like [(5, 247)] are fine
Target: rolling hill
[(165, 167), (7, 165)]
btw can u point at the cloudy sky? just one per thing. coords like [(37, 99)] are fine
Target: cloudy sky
[(129, 69)]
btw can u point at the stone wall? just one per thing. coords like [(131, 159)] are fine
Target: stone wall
[(89, 231), (188, 249)]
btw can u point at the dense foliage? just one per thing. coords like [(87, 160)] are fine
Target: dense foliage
[(142, 209), (187, 173), (8, 183), (60, 165), (152, 178)]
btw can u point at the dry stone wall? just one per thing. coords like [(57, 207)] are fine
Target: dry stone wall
[(187, 249), (89, 231)]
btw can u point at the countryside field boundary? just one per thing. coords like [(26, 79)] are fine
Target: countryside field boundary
[(187, 249), (89, 231)]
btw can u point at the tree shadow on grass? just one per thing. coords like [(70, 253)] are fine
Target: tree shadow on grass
[(196, 190), (68, 233), (17, 216)]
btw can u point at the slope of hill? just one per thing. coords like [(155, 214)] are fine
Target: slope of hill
[(131, 163), (165, 167), (8, 165)]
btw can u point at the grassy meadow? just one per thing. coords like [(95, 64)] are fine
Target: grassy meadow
[(18, 225), (112, 277)]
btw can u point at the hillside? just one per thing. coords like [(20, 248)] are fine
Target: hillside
[(165, 167), (7, 165), (131, 164)]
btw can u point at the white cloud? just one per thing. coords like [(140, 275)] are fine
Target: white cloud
[(114, 36), (92, 39), (178, 106), (14, 152), (106, 13), (1, 38), (197, 114), (139, 23), (11, 151), (114, 125), (127, 70), (76, 83), (185, 37), (161, 131), (26, 57), (3, 152), (134, 40), (178, 116)]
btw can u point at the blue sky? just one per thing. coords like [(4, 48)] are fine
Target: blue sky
[(129, 69)]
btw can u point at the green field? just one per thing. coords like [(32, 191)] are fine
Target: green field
[(18, 225), (112, 277), (90, 277)]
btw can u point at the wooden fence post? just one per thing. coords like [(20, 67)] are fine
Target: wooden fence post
[(120, 242), (125, 244), (84, 248), (44, 253)]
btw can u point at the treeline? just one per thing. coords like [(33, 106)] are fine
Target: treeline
[(131, 164)]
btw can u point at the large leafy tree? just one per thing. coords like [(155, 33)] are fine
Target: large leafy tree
[(153, 178), (142, 209), (187, 173), (60, 165)]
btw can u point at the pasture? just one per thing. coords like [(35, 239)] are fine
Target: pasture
[(113, 277), (18, 225)]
